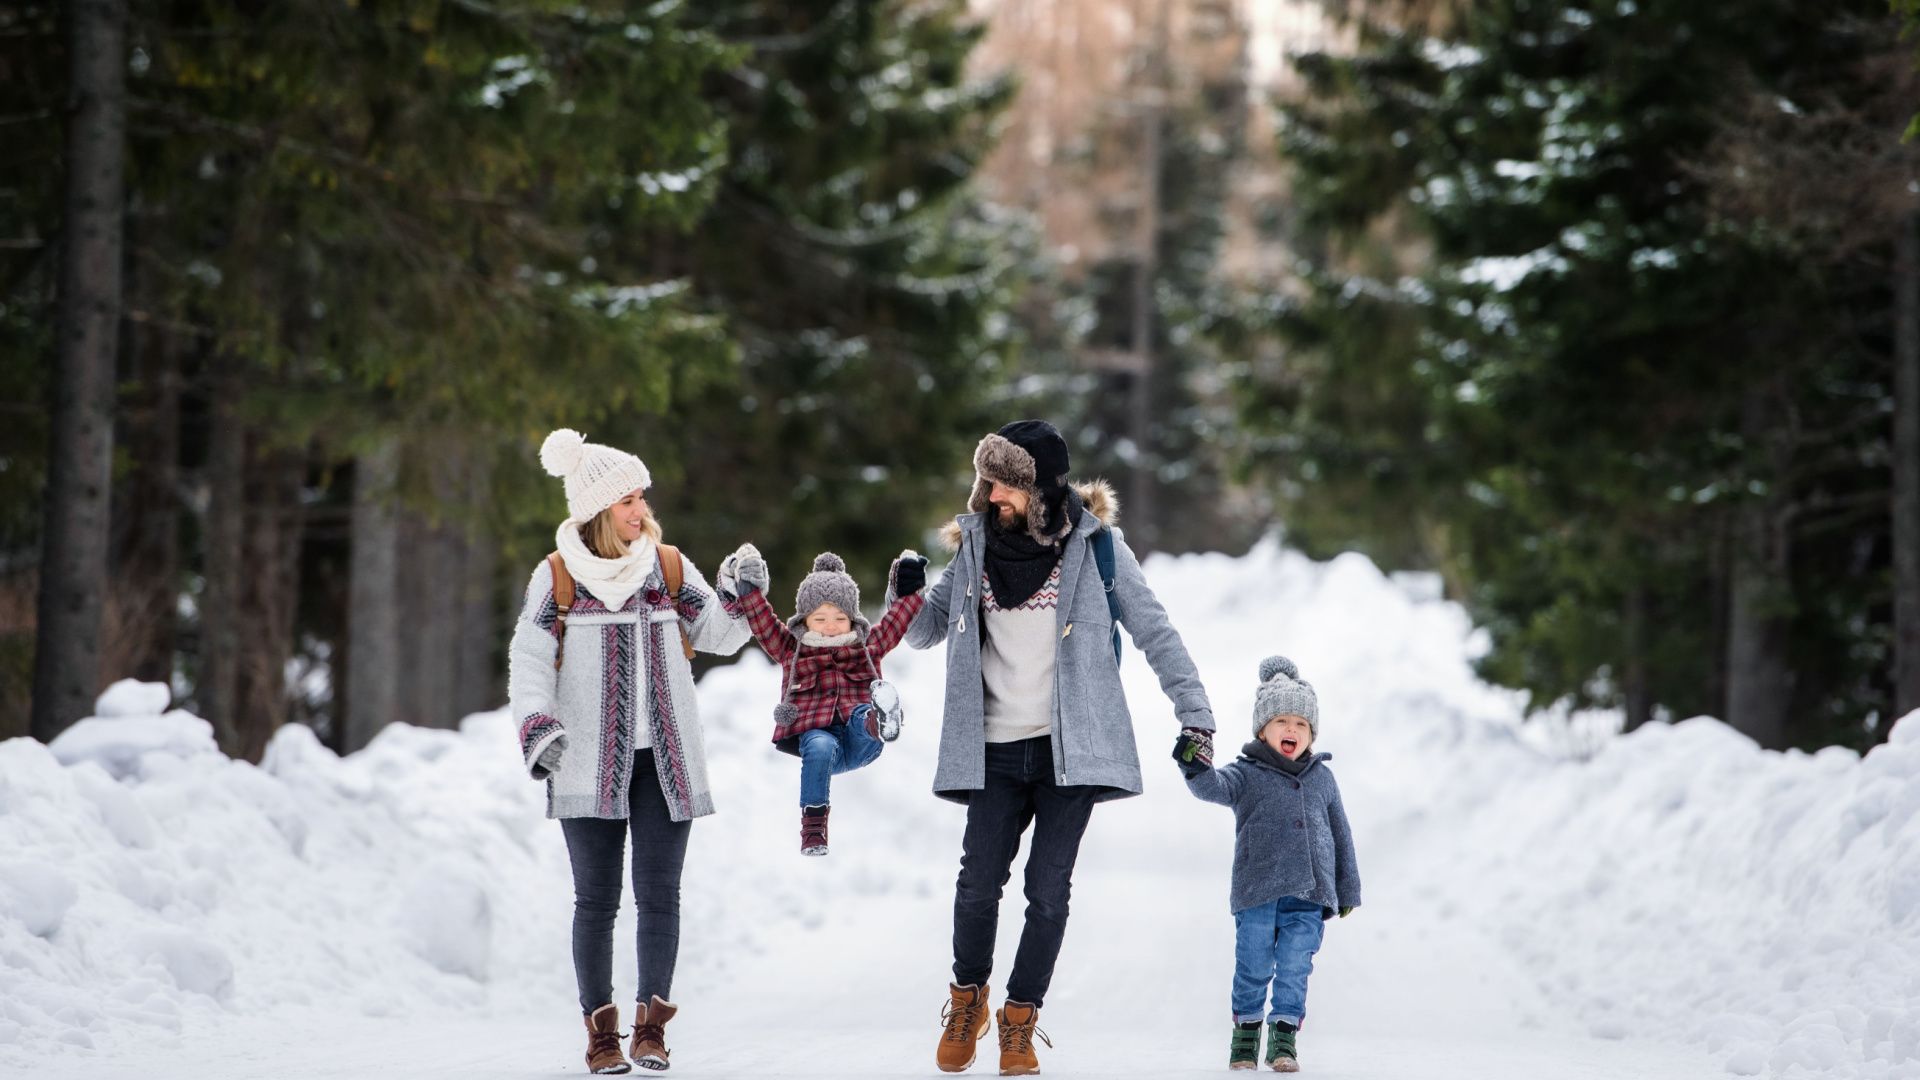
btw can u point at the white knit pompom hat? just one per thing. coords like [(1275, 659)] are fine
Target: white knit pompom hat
[(596, 476)]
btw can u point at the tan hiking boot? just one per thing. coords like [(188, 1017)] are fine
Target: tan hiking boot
[(1017, 1030), (649, 1049), (603, 1042), (966, 1023)]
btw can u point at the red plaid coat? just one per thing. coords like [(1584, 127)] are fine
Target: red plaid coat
[(824, 682)]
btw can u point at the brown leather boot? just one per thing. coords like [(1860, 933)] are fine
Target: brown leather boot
[(967, 1021), (603, 1042), (1017, 1030), (813, 830), (649, 1049)]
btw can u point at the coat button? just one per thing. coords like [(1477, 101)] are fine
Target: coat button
[(1296, 785), (1298, 824)]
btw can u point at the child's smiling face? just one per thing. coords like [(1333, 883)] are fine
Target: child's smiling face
[(1289, 735), (828, 620)]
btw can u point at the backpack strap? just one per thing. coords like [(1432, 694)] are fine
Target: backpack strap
[(562, 604), (1103, 558), (675, 573)]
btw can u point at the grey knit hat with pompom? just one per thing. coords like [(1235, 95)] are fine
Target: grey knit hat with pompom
[(1284, 693), (828, 584)]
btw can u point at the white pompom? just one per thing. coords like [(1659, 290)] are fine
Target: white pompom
[(1273, 665), (560, 454)]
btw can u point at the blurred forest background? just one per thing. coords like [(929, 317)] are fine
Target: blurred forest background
[(1607, 312)]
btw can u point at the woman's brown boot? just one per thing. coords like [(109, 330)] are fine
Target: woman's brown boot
[(649, 1049), (603, 1042)]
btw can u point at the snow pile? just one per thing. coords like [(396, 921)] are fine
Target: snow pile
[(1682, 886)]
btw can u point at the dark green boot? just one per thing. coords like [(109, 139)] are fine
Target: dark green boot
[(1282, 1056), (1245, 1052)]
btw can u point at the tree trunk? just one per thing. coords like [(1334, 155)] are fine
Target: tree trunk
[(1906, 468), (1759, 684), (478, 686), (73, 565), (371, 666), (1142, 499), (217, 690), (433, 580), (144, 608), (1636, 684), (269, 598)]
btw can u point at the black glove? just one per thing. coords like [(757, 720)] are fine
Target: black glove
[(1193, 751), (909, 575)]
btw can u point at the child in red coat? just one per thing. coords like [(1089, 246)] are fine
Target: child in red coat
[(830, 658)]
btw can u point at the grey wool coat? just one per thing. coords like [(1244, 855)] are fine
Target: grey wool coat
[(1092, 729), (1290, 833)]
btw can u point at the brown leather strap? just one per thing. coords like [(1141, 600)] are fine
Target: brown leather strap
[(562, 604), (671, 568)]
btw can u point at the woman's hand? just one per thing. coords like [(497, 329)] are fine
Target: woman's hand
[(548, 762), (741, 573)]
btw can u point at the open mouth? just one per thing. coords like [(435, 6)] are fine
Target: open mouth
[(1289, 746)]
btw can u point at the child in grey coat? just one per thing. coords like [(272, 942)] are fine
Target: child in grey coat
[(1293, 860)]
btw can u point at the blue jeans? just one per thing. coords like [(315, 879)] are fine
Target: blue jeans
[(1274, 944), (829, 751)]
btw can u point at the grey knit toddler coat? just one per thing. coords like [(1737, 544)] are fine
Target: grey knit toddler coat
[(1290, 833)]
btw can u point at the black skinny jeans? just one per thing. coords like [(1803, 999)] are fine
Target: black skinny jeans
[(595, 847), (1020, 790)]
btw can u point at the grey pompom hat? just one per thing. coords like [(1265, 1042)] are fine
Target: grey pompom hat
[(1284, 693), (828, 584)]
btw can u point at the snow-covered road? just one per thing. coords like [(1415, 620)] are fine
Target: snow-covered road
[(1683, 906)]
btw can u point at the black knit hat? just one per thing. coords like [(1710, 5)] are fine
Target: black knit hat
[(1030, 455)]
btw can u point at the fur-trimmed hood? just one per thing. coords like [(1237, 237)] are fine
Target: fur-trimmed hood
[(1101, 501)]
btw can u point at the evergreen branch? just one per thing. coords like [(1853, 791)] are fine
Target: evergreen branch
[(262, 138)]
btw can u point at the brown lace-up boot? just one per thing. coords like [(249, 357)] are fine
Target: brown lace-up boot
[(649, 1049), (603, 1042), (1017, 1030), (966, 1021)]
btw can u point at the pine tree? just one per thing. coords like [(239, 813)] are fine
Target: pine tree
[(865, 284), (1596, 410)]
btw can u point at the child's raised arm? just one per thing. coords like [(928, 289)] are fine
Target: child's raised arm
[(1221, 785), (744, 574)]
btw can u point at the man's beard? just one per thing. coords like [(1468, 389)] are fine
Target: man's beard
[(1010, 520)]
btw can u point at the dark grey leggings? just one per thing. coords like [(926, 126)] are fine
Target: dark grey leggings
[(595, 847)]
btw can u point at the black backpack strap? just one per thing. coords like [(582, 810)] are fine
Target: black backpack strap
[(1103, 558)]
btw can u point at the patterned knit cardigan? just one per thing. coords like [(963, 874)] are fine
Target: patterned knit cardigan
[(621, 668)]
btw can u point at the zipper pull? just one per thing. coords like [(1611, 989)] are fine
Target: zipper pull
[(1068, 630)]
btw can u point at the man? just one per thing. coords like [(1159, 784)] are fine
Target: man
[(1036, 728)]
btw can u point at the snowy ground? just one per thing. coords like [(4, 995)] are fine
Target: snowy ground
[(1682, 906)]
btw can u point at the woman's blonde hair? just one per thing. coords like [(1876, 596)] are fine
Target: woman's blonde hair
[(602, 536)]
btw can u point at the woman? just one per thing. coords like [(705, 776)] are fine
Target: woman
[(603, 691)]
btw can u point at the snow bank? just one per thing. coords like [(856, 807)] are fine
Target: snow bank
[(1682, 885)]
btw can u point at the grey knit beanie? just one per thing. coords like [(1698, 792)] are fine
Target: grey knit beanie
[(1284, 693), (828, 584)]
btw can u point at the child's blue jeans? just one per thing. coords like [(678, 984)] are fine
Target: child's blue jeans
[(1274, 944), (827, 752)]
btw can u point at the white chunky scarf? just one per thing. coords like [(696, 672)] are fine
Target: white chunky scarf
[(611, 581), (818, 640)]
